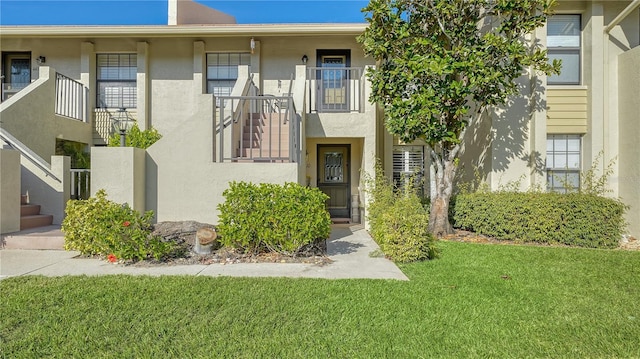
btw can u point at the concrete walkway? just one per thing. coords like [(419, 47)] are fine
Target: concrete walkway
[(348, 247)]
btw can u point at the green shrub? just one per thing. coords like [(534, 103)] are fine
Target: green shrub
[(398, 220), (136, 138), (102, 227), (573, 219), (272, 217)]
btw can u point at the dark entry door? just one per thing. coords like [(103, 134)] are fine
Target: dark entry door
[(16, 70), (333, 80), (334, 179)]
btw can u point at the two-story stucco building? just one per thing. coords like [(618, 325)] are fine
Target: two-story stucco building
[(289, 103)]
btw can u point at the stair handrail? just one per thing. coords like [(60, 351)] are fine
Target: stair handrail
[(28, 153), (249, 85)]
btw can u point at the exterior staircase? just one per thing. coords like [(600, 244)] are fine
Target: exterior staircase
[(265, 138), (36, 230), (30, 216)]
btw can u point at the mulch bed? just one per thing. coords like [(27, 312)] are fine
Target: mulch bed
[(314, 255), (627, 243)]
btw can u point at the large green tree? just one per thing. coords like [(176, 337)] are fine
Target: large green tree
[(442, 64)]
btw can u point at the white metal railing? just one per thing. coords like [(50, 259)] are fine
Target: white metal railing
[(335, 89), (26, 152), (71, 98), (260, 129), (80, 183)]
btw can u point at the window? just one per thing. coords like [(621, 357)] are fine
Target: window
[(563, 43), (563, 163), (408, 163), (222, 71), (117, 80)]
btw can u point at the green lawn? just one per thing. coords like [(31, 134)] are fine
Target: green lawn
[(476, 301)]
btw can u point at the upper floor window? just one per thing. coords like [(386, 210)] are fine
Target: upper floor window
[(563, 163), (222, 71), (116, 77), (563, 43)]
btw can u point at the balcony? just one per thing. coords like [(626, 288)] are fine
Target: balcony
[(335, 89)]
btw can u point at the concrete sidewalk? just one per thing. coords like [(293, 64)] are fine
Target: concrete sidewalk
[(349, 247)]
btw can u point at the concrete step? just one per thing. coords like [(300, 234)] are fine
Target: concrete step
[(37, 220), (29, 210), (267, 120), (49, 237), (264, 153), (260, 160), (274, 143)]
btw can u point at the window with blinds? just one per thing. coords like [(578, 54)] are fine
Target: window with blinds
[(222, 71), (408, 163), (116, 80)]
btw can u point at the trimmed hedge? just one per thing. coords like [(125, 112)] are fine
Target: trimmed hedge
[(271, 217), (572, 219)]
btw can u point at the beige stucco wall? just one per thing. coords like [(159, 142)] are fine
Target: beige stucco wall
[(9, 191), (120, 171), (183, 181), (29, 116), (49, 188), (601, 51), (629, 109)]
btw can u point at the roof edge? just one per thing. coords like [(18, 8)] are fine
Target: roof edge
[(182, 30)]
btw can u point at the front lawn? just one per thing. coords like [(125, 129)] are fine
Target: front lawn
[(475, 301)]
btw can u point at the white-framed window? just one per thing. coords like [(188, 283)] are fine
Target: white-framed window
[(408, 163), (564, 43), (222, 71), (563, 163), (116, 80)]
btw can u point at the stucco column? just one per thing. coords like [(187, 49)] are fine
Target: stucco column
[(9, 191), (142, 80), (199, 68), (538, 125), (88, 72), (594, 78), (255, 64), (61, 167)]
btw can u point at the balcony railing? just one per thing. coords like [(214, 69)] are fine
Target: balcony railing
[(258, 129), (71, 98), (335, 89)]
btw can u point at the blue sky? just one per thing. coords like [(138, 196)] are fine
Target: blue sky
[(154, 12)]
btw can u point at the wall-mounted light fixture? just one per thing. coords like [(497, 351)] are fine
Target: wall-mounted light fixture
[(252, 44), (41, 60), (305, 58)]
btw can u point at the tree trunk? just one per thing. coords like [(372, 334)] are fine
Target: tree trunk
[(439, 224)]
